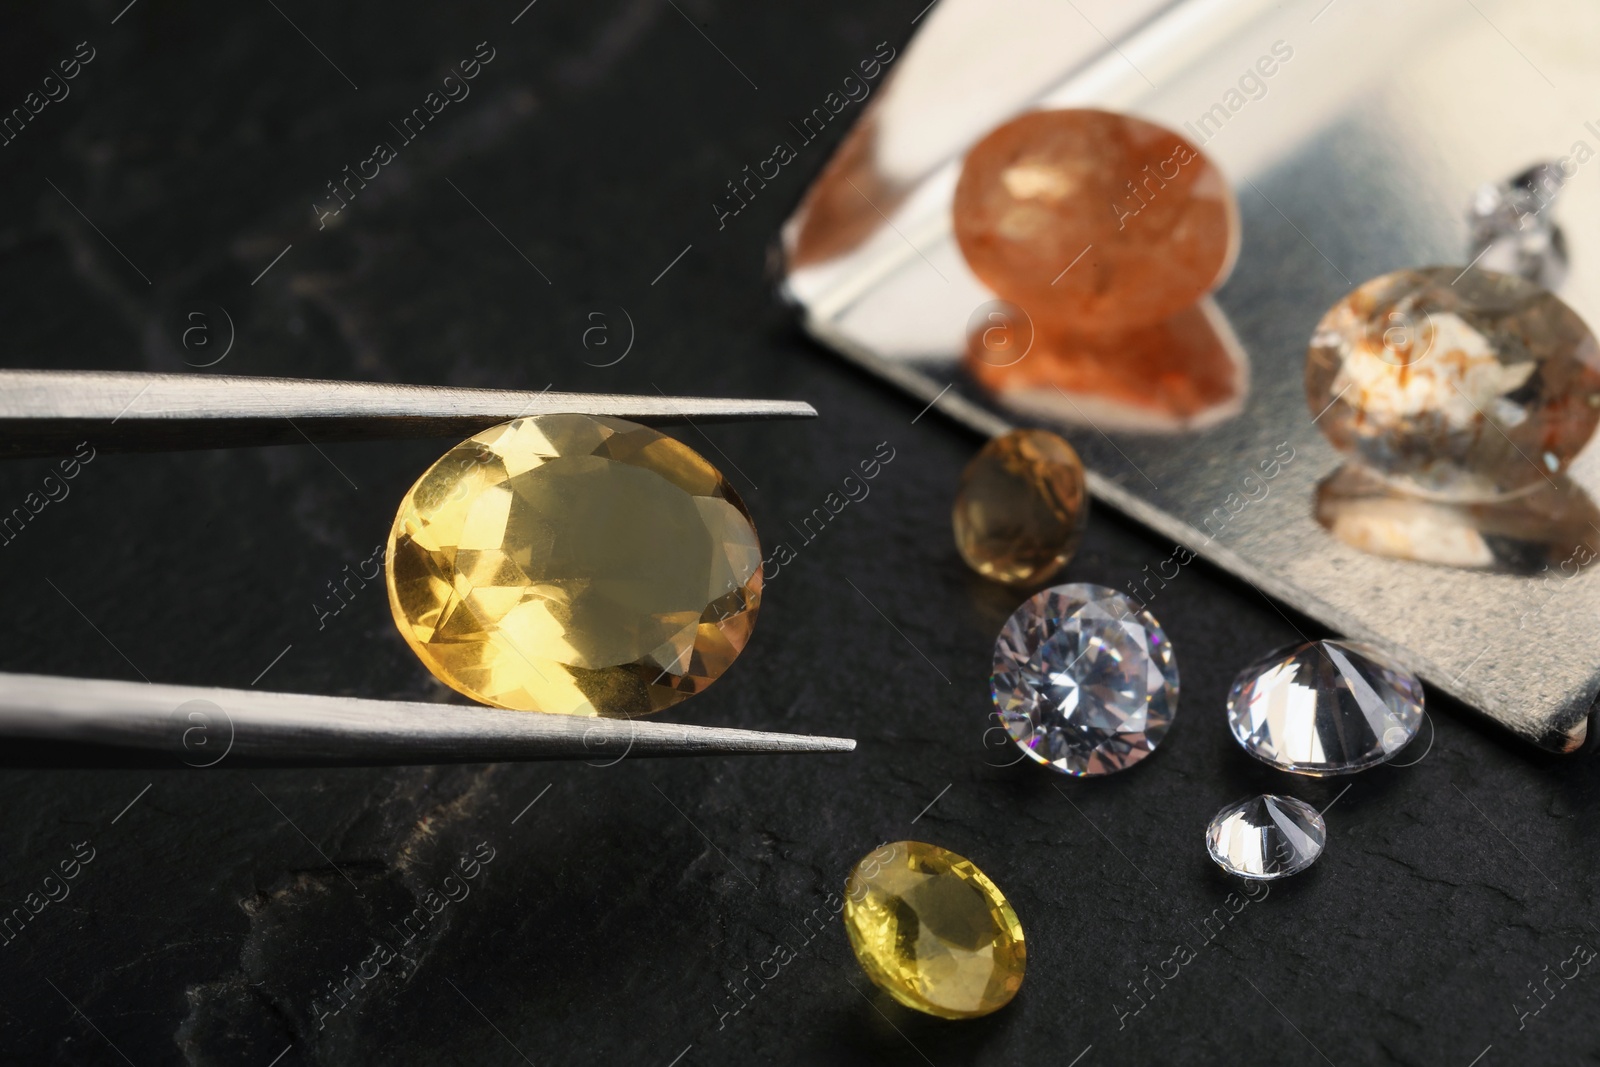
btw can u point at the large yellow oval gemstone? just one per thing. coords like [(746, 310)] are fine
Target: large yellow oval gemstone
[(574, 564), (933, 932)]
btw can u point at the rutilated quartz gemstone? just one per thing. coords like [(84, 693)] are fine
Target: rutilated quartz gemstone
[(1094, 222), (1464, 384), (1021, 507), (574, 564), (933, 931)]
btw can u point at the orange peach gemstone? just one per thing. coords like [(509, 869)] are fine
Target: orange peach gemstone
[(1094, 222), (1021, 507)]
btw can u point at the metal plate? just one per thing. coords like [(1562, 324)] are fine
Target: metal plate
[(1356, 157)]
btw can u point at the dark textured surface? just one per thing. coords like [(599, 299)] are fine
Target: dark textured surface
[(618, 910)]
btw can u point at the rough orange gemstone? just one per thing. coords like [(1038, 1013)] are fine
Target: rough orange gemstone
[(1092, 221), (1021, 507)]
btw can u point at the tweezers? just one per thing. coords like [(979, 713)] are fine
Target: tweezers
[(45, 413)]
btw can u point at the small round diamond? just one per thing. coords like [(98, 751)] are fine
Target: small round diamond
[(1327, 707), (1084, 679), (1266, 837)]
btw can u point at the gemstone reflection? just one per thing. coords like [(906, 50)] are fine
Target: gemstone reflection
[(1184, 372), (1553, 526)]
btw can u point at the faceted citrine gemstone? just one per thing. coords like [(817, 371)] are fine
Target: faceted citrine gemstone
[(933, 932), (574, 564), (1093, 221), (1021, 507)]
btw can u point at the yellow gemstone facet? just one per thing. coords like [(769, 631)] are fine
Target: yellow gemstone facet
[(1021, 508), (933, 932), (574, 564)]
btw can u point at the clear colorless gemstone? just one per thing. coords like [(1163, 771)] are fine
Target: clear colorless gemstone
[(1084, 679), (1266, 837), (1511, 228), (1328, 707)]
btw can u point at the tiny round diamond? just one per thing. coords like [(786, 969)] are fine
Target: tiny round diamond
[(1327, 707), (1266, 837), (1084, 679)]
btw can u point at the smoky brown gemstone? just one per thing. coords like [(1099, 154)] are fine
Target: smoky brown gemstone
[(1021, 507)]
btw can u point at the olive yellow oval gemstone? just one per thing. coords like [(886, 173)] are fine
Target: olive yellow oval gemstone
[(1021, 507), (933, 932), (574, 564)]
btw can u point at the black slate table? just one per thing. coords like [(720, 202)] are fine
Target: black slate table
[(565, 202)]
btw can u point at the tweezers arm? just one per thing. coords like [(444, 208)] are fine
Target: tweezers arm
[(204, 726), (46, 412)]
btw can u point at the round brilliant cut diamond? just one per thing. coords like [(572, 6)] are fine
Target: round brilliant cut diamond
[(1266, 837), (1327, 707), (1084, 680)]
